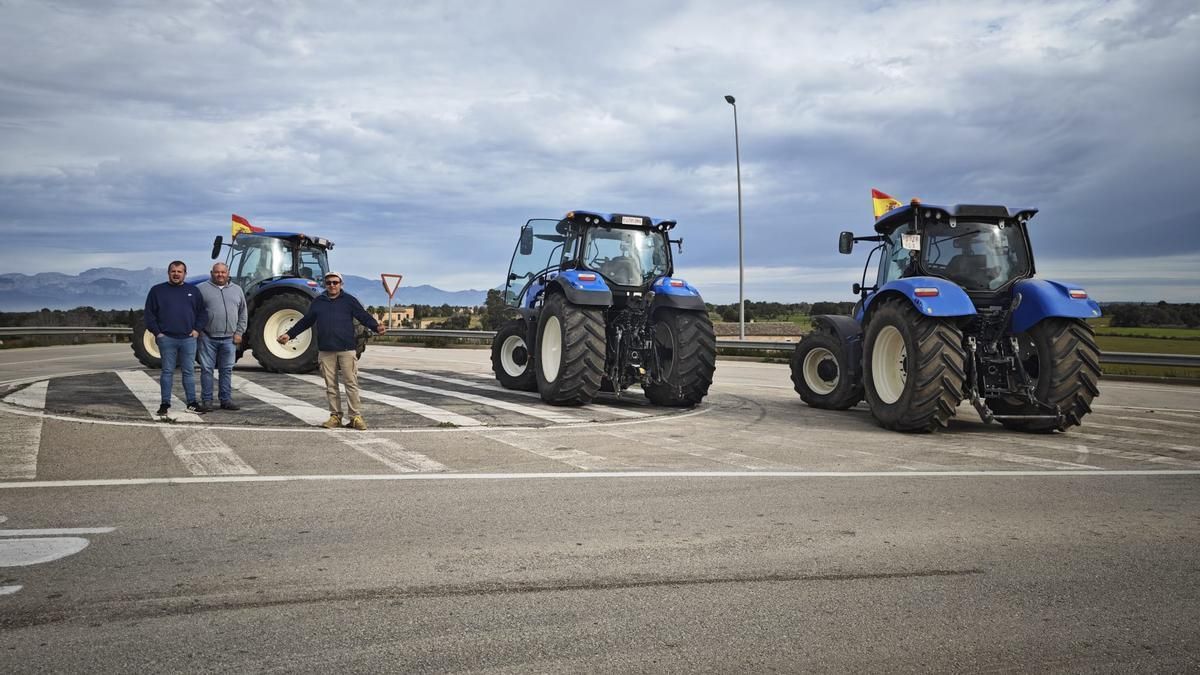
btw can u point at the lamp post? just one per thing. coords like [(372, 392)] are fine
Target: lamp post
[(741, 270)]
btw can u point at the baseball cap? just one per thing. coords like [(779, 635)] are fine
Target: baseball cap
[(334, 274)]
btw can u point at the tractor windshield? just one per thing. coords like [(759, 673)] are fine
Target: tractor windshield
[(254, 259), (626, 257), (979, 256)]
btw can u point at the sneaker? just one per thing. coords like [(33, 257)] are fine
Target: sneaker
[(163, 409), (334, 422), (199, 408), (357, 422), (229, 405)]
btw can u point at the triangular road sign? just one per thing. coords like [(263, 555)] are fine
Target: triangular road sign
[(391, 282)]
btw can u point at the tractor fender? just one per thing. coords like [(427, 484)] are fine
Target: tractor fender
[(950, 299), (849, 332), (1038, 299), (592, 292), (676, 294)]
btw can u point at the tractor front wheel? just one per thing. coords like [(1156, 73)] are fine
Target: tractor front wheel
[(821, 373), (144, 346), (273, 318), (1062, 358), (914, 367), (570, 352), (511, 359), (686, 349)]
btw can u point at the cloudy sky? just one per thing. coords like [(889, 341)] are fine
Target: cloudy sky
[(420, 136)]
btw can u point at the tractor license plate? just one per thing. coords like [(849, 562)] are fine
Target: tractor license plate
[(630, 220)]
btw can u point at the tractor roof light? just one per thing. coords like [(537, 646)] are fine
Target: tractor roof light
[(1078, 293), (925, 292)]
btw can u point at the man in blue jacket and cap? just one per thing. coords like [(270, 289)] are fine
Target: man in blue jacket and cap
[(175, 315), (333, 313)]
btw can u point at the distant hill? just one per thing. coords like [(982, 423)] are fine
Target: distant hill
[(116, 288)]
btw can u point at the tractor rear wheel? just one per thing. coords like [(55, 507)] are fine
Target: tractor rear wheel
[(570, 352), (914, 367), (144, 346), (687, 355), (821, 374), (273, 318), (511, 360), (1062, 358)]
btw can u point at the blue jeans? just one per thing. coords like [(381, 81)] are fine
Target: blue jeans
[(219, 352), (181, 352)]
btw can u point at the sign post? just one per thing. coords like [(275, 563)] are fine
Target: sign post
[(391, 282)]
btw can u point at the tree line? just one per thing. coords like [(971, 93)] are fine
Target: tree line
[(1134, 315)]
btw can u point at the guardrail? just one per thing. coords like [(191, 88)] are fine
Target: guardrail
[(1122, 358)]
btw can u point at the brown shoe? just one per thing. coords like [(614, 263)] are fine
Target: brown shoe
[(334, 421), (357, 422)]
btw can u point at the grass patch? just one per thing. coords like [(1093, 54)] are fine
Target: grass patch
[(1148, 345)]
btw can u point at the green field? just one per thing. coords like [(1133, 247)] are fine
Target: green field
[(1148, 345)]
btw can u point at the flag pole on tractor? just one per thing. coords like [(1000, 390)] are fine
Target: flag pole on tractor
[(882, 202), (241, 225)]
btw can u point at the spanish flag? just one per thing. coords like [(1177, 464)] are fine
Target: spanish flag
[(241, 225), (882, 202)]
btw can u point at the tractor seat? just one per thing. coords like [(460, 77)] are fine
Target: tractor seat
[(972, 269), (623, 270)]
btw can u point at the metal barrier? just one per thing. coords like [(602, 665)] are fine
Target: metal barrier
[(1122, 358)]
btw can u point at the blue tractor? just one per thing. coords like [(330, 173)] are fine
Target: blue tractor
[(955, 312), (599, 310), (280, 273)]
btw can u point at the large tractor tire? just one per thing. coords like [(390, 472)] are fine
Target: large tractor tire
[(144, 346), (511, 359), (687, 353), (570, 352), (1062, 357), (821, 375), (914, 367), (273, 318)]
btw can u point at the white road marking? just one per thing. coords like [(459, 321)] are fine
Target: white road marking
[(548, 415), (301, 410), (551, 448), (56, 531), (1135, 442), (1140, 430), (612, 410), (9, 590), (694, 449), (1134, 407), (147, 390), (1104, 452), (1156, 421), (22, 552), (192, 480), (20, 439), (392, 454), (1013, 457), (428, 411), (203, 454)]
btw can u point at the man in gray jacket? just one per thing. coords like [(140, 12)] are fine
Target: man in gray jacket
[(226, 305)]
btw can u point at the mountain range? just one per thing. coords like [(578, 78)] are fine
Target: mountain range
[(116, 288)]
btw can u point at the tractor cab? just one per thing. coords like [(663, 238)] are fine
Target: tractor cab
[(255, 259)]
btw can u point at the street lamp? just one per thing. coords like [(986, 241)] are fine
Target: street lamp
[(741, 270)]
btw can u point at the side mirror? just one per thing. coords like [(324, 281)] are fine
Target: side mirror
[(216, 247), (526, 241), (678, 243), (846, 243)]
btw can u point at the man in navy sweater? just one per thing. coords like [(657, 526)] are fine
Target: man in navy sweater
[(175, 315), (333, 314)]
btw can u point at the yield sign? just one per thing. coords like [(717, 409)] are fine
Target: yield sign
[(391, 282)]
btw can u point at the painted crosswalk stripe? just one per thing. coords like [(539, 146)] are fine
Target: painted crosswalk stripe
[(301, 410), (393, 455), (199, 450), (21, 437), (428, 411), (548, 415), (1012, 457), (1083, 450), (693, 449), (548, 447), (616, 411), (147, 390), (1156, 421), (1139, 430)]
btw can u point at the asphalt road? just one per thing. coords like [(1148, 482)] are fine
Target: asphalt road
[(750, 534)]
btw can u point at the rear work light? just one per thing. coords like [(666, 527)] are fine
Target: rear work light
[(925, 292), (1078, 293), (587, 277)]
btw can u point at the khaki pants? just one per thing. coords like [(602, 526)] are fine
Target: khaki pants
[(331, 363)]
